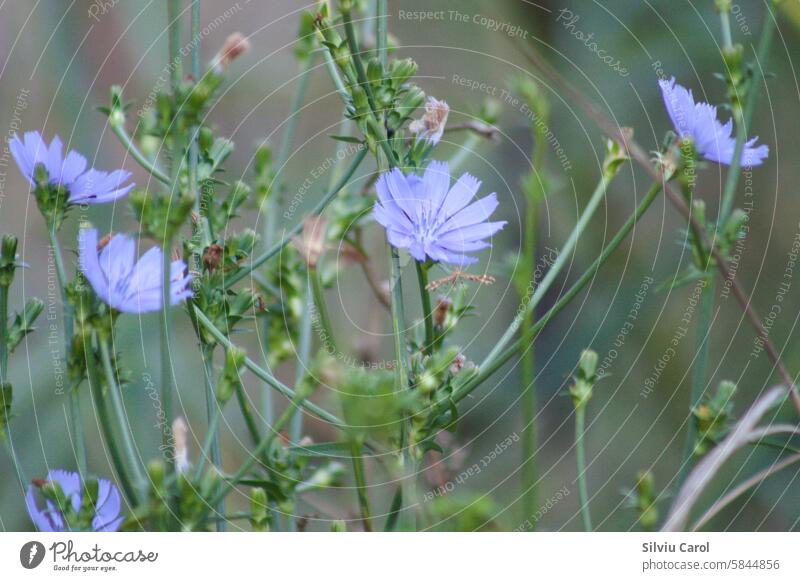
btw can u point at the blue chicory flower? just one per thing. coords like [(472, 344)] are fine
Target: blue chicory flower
[(85, 187), (125, 284), (431, 219), (698, 122), (48, 518)]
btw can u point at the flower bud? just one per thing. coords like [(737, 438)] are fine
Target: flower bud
[(212, 257), (8, 260)]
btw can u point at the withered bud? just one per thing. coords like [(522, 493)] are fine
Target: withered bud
[(458, 363), (311, 243), (179, 432), (432, 123), (38, 482), (443, 305), (235, 46), (212, 257)]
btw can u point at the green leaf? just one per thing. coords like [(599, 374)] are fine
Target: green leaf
[(346, 139), (322, 450)]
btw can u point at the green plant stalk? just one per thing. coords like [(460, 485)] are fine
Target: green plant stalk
[(213, 412), (265, 375), (486, 371), (321, 205), (137, 155), (355, 449), (118, 408), (427, 313), (580, 455), (564, 257), (528, 399), (74, 397), (732, 179), (407, 518), (319, 299), (106, 426), (12, 453), (167, 387), (361, 484), (273, 204), (703, 340), (303, 357)]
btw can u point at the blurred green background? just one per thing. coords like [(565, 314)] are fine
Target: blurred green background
[(58, 60)]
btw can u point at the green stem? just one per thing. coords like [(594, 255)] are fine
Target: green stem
[(273, 204), (486, 371), (166, 356), (211, 446), (303, 357), (121, 418), (289, 234), (528, 399), (319, 299), (427, 312), (137, 155), (732, 179), (101, 404), (698, 373), (564, 258), (75, 416), (361, 484), (264, 375), (580, 454)]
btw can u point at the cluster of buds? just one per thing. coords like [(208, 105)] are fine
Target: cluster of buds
[(712, 417)]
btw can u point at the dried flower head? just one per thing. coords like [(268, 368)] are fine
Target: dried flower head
[(234, 46), (311, 243), (179, 432), (430, 126)]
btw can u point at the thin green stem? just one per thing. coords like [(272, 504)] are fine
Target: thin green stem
[(318, 293), (264, 375), (75, 417), (166, 356), (137, 155), (121, 418), (743, 121), (303, 357), (580, 455), (273, 204), (106, 426), (698, 373), (289, 234), (361, 484), (211, 446), (564, 258), (486, 371), (425, 298)]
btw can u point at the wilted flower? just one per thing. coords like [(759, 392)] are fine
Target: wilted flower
[(122, 282), (431, 126), (180, 432), (235, 46), (431, 219), (48, 518), (311, 243), (85, 187), (698, 122)]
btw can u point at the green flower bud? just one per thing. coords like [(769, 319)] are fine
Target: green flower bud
[(8, 259)]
